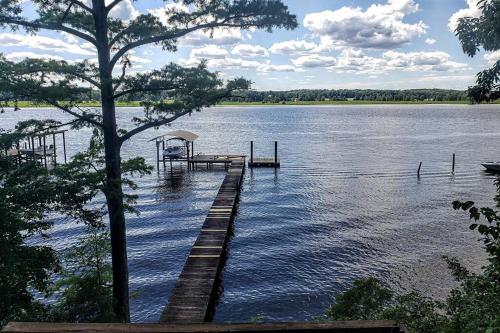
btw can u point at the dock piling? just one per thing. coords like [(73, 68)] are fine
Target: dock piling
[(275, 154), (251, 152), (453, 164), (418, 171)]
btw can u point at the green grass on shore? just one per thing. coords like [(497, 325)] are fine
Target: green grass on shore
[(338, 103), (27, 104)]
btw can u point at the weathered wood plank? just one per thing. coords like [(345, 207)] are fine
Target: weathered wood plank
[(381, 326)]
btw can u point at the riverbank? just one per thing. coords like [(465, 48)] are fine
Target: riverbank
[(27, 104)]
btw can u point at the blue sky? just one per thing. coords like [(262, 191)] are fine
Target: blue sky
[(386, 44)]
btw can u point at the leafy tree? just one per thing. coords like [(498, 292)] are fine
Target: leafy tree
[(368, 299), (29, 194), (477, 32), (365, 300), (86, 282), (64, 85)]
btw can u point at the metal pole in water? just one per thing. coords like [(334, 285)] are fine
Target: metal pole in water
[(453, 165), (418, 171)]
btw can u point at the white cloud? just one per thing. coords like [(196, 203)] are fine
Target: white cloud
[(380, 26), (219, 37), (248, 51), (422, 61), (125, 10), (238, 63), (165, 12), (292, 47), (139, 60), (472, 11), (314, 60), (355, 61), (18, 56), (43, 43), (209, 51), (430, 41), (492, 57)]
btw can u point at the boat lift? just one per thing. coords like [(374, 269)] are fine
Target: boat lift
[(171, 153)]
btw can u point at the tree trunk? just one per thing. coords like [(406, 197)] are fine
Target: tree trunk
[(114, 191)]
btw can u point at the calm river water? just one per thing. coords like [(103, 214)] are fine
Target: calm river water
[(345, 204)]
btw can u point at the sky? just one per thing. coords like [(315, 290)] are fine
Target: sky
[(385, 44)]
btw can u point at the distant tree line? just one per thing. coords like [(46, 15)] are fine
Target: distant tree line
[(352, 94), (321, 95)]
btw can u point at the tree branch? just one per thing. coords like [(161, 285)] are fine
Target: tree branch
[(155, 39), (82, 5), (48, 26), (129, 91), (151, 124), (112, 5), (74, 114), (120, 80)]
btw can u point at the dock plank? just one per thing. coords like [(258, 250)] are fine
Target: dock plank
[(196, 290)]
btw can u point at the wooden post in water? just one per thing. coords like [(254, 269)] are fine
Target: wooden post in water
[(33, 147), (54, 147), (64, 146), (251, 153), (163, 152), (45, 151), (418, 171), (453, 164), (157, 156), (275, 154), (187, 156)]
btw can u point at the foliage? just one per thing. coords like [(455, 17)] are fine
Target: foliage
[(354, 94), (86, 282), (32, 196), (367, 299), (483, 32)]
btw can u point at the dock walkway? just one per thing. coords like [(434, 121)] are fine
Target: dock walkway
[(196, 291)]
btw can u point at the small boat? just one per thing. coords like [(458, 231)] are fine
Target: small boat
[(174, 152), (492, 166)]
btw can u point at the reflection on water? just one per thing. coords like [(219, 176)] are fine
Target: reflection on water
[(346, 203)]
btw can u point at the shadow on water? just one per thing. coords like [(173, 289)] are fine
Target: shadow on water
[(172, 180)]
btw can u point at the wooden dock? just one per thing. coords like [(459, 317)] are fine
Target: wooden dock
[(264, 163), (196, 291), (211, 160)]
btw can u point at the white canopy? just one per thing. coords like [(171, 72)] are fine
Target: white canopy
[(179, 134)]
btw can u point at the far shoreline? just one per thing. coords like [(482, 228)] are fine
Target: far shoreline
[(26, 104)]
